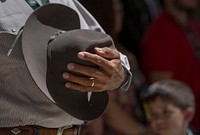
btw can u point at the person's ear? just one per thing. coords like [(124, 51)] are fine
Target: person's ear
[(189, 114)]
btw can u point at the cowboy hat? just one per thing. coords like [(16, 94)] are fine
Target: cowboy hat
[(51, 38)]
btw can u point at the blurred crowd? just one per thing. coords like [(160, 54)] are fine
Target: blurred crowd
[(162, 41)]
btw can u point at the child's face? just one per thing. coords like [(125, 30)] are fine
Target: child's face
[(166, 119)]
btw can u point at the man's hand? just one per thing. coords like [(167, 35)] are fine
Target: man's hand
[(108, 76)]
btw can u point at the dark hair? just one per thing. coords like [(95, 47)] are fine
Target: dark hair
[(174, 91)]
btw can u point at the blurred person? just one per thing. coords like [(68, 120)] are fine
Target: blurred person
[(137, 14), (171, 48), (170, 107)]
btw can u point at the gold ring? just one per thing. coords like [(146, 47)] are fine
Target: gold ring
[(92, 78)]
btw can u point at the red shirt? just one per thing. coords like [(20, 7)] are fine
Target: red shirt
[(165, 47)]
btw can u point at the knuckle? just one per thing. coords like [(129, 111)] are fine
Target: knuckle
[(112, 66), (93, 73)]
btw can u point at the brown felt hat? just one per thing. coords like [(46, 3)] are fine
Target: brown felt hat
[(51, 38)]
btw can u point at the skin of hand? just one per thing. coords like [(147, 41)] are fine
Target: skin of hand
[(108, 76)]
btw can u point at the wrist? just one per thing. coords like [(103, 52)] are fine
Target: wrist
[(126, 82)]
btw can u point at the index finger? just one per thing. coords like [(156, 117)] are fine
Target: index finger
[(102, 62), (107, 52)]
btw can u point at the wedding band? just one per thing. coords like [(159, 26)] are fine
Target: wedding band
[(92, 78)]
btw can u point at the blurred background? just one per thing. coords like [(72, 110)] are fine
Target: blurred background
[(128, 21)]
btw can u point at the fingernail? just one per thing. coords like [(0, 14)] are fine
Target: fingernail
[(70, 66), (65, 75), (81, 55), (67, 85), (99, 49)]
